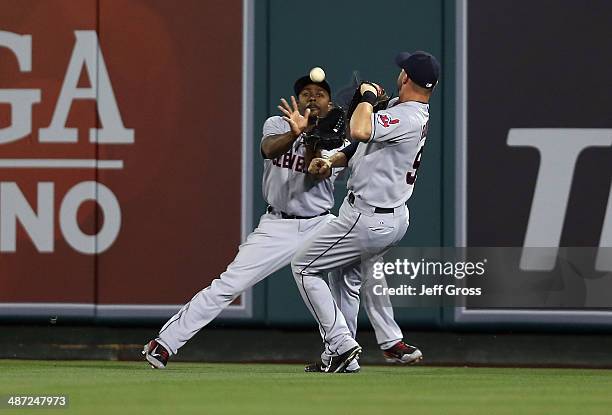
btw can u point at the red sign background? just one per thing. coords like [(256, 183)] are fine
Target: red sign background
[(176, 73)]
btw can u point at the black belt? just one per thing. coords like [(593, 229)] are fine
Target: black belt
[(351, 199), (288, 216)]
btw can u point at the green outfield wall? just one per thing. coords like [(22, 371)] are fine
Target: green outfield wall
[(290, 39)]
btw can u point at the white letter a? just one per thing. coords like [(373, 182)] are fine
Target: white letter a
[(87, 53)]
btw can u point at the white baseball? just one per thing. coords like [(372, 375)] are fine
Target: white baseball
[(317, 74)]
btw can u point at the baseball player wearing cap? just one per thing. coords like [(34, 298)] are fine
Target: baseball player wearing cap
[(374, 215), (299, 204)]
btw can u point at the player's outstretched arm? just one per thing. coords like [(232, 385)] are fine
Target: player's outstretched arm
[(338, 159), (360, 125)]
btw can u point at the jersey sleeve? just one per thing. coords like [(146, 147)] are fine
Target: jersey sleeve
[(388, 126), (273, 126)]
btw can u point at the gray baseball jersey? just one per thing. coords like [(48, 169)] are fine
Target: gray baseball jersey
[(383, 170), (286, 184)]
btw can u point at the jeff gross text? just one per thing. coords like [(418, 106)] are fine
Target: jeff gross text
[(426, 278)]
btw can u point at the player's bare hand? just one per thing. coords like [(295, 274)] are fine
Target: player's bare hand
[(372, 87), (319, 167), (297, 121)]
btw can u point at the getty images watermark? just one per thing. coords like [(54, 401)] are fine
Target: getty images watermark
[(494, 277), (433, 278)]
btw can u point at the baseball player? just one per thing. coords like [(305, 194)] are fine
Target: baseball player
[(374, 215), (299, 204)]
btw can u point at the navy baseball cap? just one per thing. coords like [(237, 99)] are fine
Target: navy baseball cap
[(305, 80), (422, 67)]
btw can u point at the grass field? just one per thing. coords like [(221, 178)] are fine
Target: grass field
[(96, 387)]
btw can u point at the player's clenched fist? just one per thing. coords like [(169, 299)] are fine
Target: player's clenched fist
[(319, 167)]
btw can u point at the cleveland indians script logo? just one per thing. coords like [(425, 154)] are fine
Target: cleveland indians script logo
[(386, 120), (291, 161)]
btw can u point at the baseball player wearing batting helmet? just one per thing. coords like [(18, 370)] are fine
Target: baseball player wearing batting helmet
[(374, 215), (299, 204)]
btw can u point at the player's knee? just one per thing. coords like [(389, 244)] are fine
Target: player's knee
[(229, 288)]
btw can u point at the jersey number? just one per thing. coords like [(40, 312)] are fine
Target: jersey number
[(412, 175)]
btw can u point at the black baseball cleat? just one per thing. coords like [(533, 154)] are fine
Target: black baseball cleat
[(156, 354), (319, 368), (314, 368), (337, 364), (403, 354)]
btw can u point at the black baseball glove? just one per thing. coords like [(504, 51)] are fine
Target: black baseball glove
[(330, 131), (381, 102)]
